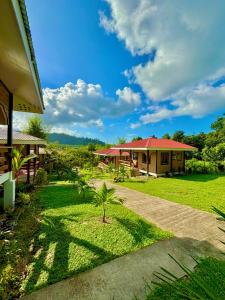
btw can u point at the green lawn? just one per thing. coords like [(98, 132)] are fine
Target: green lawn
[(72, 237), (199, 191), (213, 272)]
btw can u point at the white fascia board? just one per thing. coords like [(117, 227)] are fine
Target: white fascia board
[(20, 22)]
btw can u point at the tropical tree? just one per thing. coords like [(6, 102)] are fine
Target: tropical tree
[(166, 136), (121, 140), (104, 196), (83, 188), (19, 160), (178, 136), (36, 128), (137, 138)]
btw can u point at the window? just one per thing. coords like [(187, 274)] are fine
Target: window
[(144, 158), (164, 158)]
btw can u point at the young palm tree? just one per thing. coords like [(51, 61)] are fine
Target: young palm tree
[(18, 160), (103, 196)]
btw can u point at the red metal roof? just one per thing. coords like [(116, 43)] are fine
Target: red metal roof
[(154, 143), (111, 152)]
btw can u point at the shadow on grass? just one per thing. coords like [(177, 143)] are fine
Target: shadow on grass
[(199, 177), (139, 230), (50, 267)]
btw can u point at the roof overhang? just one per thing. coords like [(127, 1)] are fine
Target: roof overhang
[(24, 142), (159, 149), (18, 69)]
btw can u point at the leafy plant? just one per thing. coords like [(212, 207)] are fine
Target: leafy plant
[(23, 198), (103, 196), (202, 288), (41, 177), (121, 174), (83, 188), (19, 160)]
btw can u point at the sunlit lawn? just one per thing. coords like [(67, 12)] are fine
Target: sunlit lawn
[(199, 191), (72, 237)]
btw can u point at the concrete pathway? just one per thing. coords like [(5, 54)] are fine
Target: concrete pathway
[(125, 277), (182, 220)]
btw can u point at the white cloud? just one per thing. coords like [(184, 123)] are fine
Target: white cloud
[(135, 125), (189, 43), (85, 104)]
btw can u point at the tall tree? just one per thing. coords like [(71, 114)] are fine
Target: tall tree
[(178, 136), (121, 140), (137, 138), (36, 128), (166, 136)]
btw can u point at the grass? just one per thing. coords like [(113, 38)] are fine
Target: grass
[(198, 191), (72, 237), (213, 272)]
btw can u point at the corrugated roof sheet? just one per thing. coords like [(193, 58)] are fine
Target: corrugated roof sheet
[(19, 136)]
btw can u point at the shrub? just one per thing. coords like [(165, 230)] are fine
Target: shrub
[(24, 187), (23, 198), (41, 177), (200, 167)]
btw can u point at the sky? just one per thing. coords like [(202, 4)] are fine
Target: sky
[(129, 68)]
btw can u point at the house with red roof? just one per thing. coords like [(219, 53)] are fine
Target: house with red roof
[(114, 156), (153, 156)]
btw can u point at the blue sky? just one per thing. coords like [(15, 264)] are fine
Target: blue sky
[(123, 68)]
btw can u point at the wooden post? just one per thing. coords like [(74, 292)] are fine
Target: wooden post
[(35, 161), (184, 161), (10, 131), (156, 162), (120, 155), (171, 161), (28, 165), (130, 159), (147, 162)]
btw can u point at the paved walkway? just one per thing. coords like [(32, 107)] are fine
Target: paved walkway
[(182, 220), (125, 277)]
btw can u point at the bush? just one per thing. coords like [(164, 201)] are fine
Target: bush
[(24, 187), (200, 167), (41, 177), (23, 198)]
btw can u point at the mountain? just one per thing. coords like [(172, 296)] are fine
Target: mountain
[(72, 140)]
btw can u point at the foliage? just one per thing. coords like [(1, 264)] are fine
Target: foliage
[(207, 282), (19, 160), (137, 138), (36, 128), (103, 196), (83, 188), (178, 136), (121, 174), (66, 139), (214, 154), (24, 187), (23, 198), (72, 239), (166, 136), (194, 166), (16, 248), (66, 160), (41, 177), (200, 191), (110, 168), (91, 147), (121, 140)]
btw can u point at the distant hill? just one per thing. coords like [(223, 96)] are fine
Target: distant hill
[(72, 140)]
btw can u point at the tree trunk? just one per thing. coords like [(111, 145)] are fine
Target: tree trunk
[(104, 216)]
